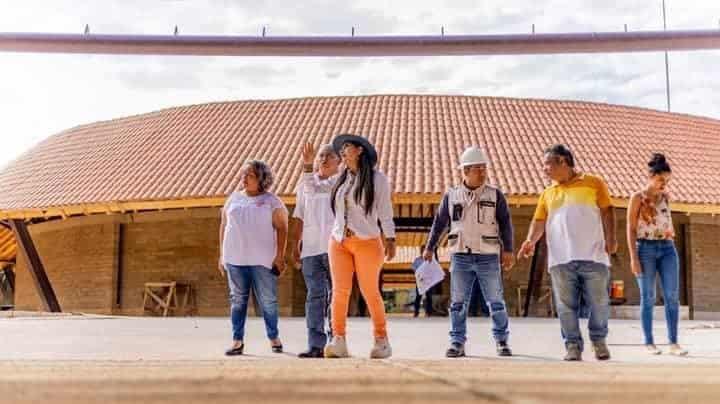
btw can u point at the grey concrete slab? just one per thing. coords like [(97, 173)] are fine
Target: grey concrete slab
[(178, 339)]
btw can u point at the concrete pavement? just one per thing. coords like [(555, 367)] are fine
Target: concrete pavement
[(114, 360)]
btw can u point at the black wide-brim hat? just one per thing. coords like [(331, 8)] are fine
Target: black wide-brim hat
[(368, 148)]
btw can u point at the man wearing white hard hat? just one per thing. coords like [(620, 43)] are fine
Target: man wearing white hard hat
[(480, 239)]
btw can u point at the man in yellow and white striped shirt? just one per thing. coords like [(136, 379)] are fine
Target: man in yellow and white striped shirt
[(576, 216)]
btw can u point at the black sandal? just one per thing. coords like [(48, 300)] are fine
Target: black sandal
[(235, 351), (277, 348)]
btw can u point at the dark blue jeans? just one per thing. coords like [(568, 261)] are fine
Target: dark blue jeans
[(659, 259), (264, 285), (316, 271), (465, 268), (589, 280)]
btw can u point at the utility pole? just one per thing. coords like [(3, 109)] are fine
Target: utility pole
[(667, 62)]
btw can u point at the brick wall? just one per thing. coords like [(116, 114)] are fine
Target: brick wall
[(80, 262), (85, 255), (182, 246), (704, 243), (173, 246)]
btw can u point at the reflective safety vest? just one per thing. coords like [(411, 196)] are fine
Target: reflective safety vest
[(473, 227)]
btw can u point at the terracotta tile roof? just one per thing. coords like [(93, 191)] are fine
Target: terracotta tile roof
[(196, 151), (7, 245)]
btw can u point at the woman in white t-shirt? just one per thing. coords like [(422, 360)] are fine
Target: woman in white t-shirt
[(253, 235)]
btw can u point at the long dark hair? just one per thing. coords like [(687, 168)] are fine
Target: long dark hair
[(658, 164), (365, 184)]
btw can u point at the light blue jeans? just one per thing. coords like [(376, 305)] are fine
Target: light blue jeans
[(569, 282), (264, 285), (659, 259), (465, 268)]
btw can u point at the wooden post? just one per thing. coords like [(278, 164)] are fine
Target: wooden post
[(535, 278), (26, 248)]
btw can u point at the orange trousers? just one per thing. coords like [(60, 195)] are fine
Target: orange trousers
[(364, 258)]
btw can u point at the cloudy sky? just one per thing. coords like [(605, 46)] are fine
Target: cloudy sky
[(42, 94)]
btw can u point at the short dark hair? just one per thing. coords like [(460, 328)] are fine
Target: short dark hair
[(560, 150), (658, 164)]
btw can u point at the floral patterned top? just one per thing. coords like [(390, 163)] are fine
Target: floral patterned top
[(655, 220)]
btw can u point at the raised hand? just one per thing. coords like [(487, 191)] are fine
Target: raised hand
[(308, 153)]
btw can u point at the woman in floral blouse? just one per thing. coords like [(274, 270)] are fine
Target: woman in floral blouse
[(653, 255)]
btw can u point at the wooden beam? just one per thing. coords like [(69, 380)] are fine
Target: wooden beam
[(9, 276), (27, 249), (414, 222), (535, 277), (399, 201), (688, 255)]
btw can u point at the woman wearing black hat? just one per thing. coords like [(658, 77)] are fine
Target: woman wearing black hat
[(361, 203)]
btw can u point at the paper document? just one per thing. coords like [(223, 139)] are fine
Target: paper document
[(429, 274)]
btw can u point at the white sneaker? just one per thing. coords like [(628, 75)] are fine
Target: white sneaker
[(337, 348), (652, 349), (677, 350), (382, 349)]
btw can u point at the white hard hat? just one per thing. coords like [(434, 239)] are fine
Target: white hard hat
[(473, 155)]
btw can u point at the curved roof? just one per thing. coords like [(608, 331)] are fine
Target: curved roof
[(191, 155)]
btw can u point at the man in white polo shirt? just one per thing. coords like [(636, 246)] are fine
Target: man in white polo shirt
[(314, 217)]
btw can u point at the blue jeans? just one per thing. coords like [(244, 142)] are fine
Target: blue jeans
[(465, 268), (659, 258), (589, 280), (316, 271), (264, 285)]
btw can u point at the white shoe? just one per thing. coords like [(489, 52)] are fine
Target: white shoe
[(382, 349), (677, 350), (652, 349), (337, 348)]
